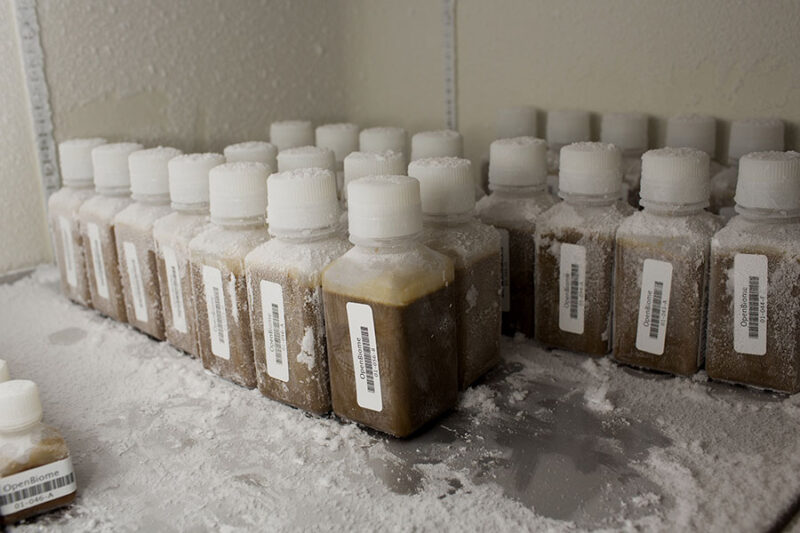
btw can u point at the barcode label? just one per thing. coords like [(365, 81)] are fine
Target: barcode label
[(175, 289), (135, 280), (36, 486), (750, 304), (68, 251), (217, 314), (654, 306), (274, 330), (365, 356), (98, 263), (571, 288), (505, 269)]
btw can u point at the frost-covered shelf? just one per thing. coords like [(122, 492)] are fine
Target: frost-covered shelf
[(549, 441)]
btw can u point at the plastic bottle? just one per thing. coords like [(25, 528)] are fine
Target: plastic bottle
[(694, 131), (565, 126), (438, 143), (256, 151), (628, 132), (383, 138), (291, 134), (513, 121), (361, 164), (342, 138), (306, 157)]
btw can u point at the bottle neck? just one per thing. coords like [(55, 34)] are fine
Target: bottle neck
[(768, 215), (448, 220), (191, 209), (113, 191), (673, 209), (239, 222), (302, 236), (596, 200), (151, 199), (384, 246), (516, 192)]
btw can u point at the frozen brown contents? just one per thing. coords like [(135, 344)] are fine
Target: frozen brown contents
[(67, 242)]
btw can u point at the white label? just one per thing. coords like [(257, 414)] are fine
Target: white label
[(175, 289), (98, 263), (135, 279), (68, 251), (365, 356), (571, 288), (750, 304), (217, 315), (505, 270), (36, 486), (274, 330), (654, 306)]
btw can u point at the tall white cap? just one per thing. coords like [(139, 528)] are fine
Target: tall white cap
[(755, 135), (257, 151), (692, 131), (341, 138), (238, 190), (148, 168), (591, 169), (518, 162), (75, 156), (360, 164), (627, 131), (446, 185), (306, 157), (110, 163), (188, 177), (769, 180), (384, 207), (516, 121), (675, 176), (439, 143), (302, 199), (22, 407), (568, 126), (5, 375), (381, 139), (290, 133)]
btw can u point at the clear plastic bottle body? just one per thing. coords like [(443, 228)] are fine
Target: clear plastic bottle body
[(63, 207)]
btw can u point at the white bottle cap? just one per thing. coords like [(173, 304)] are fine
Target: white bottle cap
[(148, 168), (291, 133), (341, 138), (381, 139), (769, 180), (110, 163), (568, 126), (517, 121), (675, 176), (692, 131), (238, 190), (257, 151), (518, 162), (302, 199), (755, 135), (439, 143), (384, 207), (627, 131), (446, 185), (188, 177), (5, 375), (306, 157), (21, 405), (360, 164), (75, 156), (591, 169)]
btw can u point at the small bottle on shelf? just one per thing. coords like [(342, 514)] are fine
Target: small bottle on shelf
[(255, 151), (342, 138), (306, 157), (695, 131), (628, 132), (512, 121), (361, 164), (438, 143), (382, 138), (565, 126), (285, 134)]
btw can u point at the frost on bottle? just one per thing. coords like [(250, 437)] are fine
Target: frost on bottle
[(238, 201), (695, 131), (284, 280), (383, 138), (628, 132), (254, 151), (389, 314), (575, 251), (513, 121), (564, 126), (96, 217), (134, 235), (62, 207), (342, 139), (518, 180), (754, 300), (361, 164), (188, 191), (35, 465), (662, 265)]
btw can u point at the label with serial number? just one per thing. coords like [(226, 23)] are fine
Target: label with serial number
[(98, 264), (571, 288), (217, 314), (68, 251), (653, 306), (750, 304), (135, 280), (365, 356), (36, 486), (505, 269), (175, 289), (274, 330)]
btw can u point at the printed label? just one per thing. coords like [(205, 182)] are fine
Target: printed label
[(68, 251), (217, 315), (572, 288), (36, 486), (98, 263), (175, 289), (274, 330), (654, 306), (135, 279), (365, 356), (750, 304), (506, 270)]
